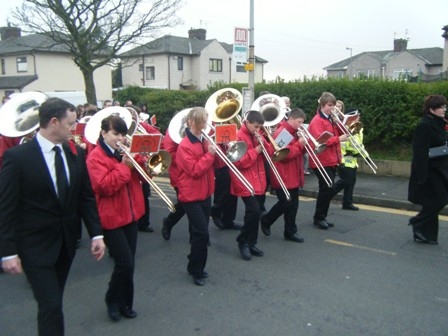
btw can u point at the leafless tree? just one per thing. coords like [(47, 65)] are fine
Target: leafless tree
[(95, 31)]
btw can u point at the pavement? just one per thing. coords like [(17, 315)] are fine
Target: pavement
[(377, 190)]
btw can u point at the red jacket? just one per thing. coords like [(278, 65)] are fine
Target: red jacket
[(117, 189), (290, 168), (7, 143), (171, 147), (196, 174), (331, 156), (251, 166)]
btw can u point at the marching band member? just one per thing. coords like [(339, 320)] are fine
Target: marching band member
[(330, 157), (290, 170), (119, 196), (251, 166), (196, 184)]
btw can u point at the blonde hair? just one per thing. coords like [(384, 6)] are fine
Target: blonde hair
[(342, 105), (197, 115), (327, 97)]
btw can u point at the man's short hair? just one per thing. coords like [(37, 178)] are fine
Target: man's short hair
[(327, 97), (253, 116), (54, 108), (297, 113)]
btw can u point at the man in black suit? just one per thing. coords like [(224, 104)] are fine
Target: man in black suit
[(39, 217)]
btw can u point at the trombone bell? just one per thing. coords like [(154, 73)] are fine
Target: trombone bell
[(158, 163), (236, 150)]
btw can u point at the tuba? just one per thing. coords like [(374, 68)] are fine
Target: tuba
[(20, 115), (273, 109)]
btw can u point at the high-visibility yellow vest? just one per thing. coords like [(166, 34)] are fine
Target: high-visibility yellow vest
[(349, 152)]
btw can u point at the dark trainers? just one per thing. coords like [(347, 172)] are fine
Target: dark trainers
[(265, 226), (166, 230)]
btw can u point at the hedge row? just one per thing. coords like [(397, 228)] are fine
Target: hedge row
[(390, 109)]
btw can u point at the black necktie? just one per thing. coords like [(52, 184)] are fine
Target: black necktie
[(61, 175)]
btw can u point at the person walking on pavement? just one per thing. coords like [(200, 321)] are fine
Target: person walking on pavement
[(428, 183)]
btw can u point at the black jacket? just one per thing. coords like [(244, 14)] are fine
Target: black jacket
[(428, 183)]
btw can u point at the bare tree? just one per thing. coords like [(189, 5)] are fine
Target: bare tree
[(95, 31)]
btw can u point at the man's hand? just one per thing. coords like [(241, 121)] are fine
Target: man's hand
[(97, 248), (12, 266)]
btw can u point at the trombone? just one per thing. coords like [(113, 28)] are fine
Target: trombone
[(271, 164), (142, 172), (318, 148), (360, 148)]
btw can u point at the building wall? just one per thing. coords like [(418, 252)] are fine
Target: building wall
[(195, 71), (365, 64), (58, 72)]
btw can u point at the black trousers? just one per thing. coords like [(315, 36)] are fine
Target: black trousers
[(48, 285), (144, 221), (224, 204), (427, 221), (174, 217), (286, 208), (122, 244), (249, 231), (325, 194), (198, 214), (346, 182)]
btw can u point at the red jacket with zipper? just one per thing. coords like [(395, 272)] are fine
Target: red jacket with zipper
[(196, 174), (117, 189), (331, 156), (251, 165)]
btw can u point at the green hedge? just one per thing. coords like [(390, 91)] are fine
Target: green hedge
[(390, 109)]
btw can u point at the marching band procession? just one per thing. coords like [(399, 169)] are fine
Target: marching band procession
[(61, 170)]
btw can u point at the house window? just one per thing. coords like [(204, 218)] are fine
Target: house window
[(150, 73), (180, 63), (22, 64), (404, 73), (370, 73), (3, 66), (140, 67), (215, 65), (240, 67)]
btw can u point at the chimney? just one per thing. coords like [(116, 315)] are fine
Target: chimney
[(400, 45), (445, 48), (198, 34), (9, 32)]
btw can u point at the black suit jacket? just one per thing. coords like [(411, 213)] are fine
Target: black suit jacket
[(33, 223)]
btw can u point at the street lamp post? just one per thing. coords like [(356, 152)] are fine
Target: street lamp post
[(349, 65)]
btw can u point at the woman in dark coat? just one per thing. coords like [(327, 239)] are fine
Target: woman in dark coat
[(428, 184)]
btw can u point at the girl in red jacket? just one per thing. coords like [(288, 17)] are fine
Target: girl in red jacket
[(196, 184), (119, 197), (290, 170)]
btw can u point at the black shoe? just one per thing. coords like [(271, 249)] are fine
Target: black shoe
[(128, 313), (420, 238), (113, 312), (199, 281), (255, 251), (294, 237), (145, 228), (321, 224), (245, 251), (166, 230), (349, 207), (265, 226), (218, 222), (233, 226), (329, 224)]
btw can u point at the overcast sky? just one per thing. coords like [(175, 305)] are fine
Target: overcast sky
[(299, 38)]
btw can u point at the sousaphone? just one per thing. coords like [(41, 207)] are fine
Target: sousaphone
[(224, 105), (19, 116)]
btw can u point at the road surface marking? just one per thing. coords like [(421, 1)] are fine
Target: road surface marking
[(336, 242)]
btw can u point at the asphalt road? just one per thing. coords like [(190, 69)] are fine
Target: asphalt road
[(365, 276)]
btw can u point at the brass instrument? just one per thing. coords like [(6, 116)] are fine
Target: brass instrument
[(273, 168), (273, 109), (176, 130), (92, 132), (318, 148), (360, 148), (20, 115)]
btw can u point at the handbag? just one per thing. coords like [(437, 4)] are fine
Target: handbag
[(438, 151)]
